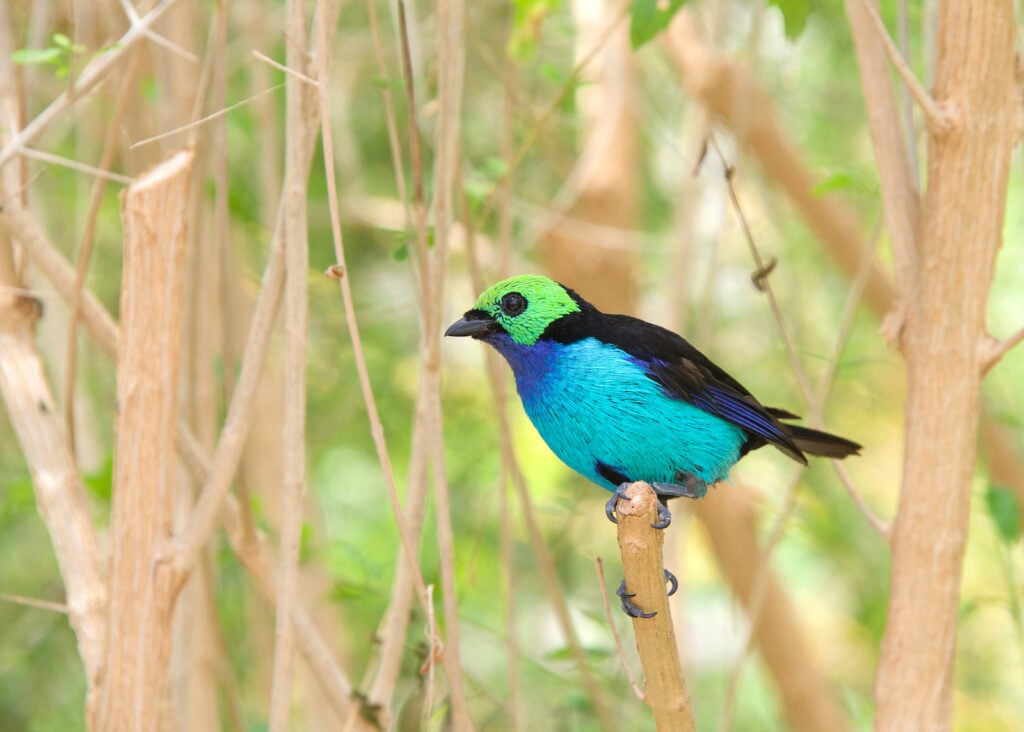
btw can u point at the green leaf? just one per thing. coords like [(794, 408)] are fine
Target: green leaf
[(794, 15), (30, 56), (59, 39), (526, 27), (649, 17), (1004, 508)]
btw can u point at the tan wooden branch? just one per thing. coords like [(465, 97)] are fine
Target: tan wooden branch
[(939, 118), (993, 350), (642, 564), (900, 198), (60, 495), (104, 330), (17, 222), (142, 586)]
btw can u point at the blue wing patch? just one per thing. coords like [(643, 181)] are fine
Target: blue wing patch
[(736, 409)]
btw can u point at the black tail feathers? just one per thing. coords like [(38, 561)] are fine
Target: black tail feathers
[(823, 444)]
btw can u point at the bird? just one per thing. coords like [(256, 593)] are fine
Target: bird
[(620, 400)]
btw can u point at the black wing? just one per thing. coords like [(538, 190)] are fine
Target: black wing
[(683, 372)]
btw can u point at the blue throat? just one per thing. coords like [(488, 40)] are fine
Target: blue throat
[(595, 406)]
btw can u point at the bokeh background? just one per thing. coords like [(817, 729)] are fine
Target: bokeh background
[(609, 176)]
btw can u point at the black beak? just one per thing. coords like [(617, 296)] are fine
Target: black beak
[(474, 323)]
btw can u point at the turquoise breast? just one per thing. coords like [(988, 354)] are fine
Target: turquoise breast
[(594, 404)]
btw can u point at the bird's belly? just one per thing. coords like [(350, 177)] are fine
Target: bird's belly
[(611, 413)]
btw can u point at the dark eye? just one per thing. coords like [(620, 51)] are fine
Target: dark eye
[(513, 303)]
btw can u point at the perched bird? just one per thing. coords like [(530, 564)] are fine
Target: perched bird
[(621, 400)]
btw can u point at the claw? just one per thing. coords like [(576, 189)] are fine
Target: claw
[(672, 581), (664, 517), (609, 507), (628, 607)]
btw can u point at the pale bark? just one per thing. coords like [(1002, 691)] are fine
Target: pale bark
[(641, 546), (961, 231), (60, 495), (293, 434), (896, 177), (135, 692)]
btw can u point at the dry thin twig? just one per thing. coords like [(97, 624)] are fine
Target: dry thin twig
[(993, 350), (814, 400), (545, 563), (91, 75), (295, 326), (450, 21), (389, 108), (99, 172), (894, 153), (603, 585), (208, 118), (281, 67), (549, 111), (338, 272), (57, 607), (409, 531), (939, 118), (85, 246)]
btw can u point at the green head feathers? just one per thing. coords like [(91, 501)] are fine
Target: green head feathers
[(526, 305)]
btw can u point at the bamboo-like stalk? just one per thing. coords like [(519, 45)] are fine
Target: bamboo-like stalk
[(142, 586), (640, 545)]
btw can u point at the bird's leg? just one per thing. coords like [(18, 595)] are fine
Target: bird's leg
[(689, 486), (684, 485), (631, 608)]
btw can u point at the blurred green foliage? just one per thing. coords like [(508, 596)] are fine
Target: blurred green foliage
[(834, 567)]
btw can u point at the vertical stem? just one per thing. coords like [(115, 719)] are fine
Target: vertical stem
[(142, 586), (961, 230), (295, 324), (450, 74)]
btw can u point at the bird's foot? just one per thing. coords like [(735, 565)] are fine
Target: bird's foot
[(609, 507), (688, 486), (664, 515), (631, 608)]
